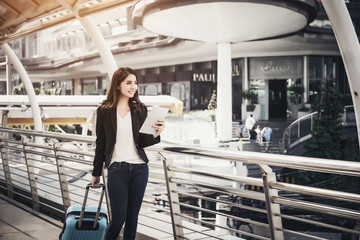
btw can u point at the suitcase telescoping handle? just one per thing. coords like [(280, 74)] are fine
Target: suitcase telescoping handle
[(84, 204)]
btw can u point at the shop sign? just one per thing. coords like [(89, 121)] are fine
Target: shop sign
[(211, 77), (204, 77), (280, 68)]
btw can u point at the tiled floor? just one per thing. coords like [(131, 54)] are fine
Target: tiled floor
[(18, 224)]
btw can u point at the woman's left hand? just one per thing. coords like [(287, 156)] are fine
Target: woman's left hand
[(159, 126)]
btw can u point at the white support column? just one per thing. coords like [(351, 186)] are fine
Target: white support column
[(90, 27), (8, 76), (100, 43), (349, 49), (306, 79), (224, 93), (35, 108), (245, 82)]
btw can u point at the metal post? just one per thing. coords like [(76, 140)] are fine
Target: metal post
[(298, 130), (273, 209), (173, 200), (289, 136), (105, 174), (60, 164), (6, 167), (31, 175), (8, 76)]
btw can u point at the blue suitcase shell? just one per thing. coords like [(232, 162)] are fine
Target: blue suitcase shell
[(86, 230)]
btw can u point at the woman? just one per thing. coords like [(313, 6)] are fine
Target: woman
[(119, 146)]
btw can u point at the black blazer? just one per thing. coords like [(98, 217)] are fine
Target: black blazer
[(106, 126)]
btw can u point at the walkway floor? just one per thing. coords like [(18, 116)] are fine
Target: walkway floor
[(18, 224)]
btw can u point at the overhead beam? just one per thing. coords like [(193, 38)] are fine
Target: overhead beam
[(11, 8), (64, 18)]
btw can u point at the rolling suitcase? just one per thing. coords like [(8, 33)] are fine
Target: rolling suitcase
[(85, 222)]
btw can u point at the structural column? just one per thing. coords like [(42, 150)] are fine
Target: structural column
[(349, 49), (96, 36), (35, 108), (107, 58), (224, 93)]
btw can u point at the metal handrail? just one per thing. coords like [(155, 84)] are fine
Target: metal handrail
[(301, 129), (295, 134), (190, 188)]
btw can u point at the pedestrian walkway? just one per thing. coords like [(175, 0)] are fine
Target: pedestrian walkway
[(18, 224)]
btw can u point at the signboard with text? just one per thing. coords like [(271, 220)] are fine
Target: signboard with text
[(278, 67)]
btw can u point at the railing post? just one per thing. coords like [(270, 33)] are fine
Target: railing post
[(6, 167), (273, 209), (173, 200), (29, 161), (312, 123), (104, 176), (289, 136), (60, 164)]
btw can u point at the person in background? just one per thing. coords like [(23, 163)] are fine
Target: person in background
[(249, 123), (253, 135), (239, 130), (120, 147), (258, 135), (266, 135)]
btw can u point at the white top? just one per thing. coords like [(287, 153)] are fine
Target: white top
[(249, 123), (124, 149)]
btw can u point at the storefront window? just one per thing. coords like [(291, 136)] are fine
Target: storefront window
[(89, 86), (315, 67), (323, 74), (294, 87), (201, 94), (2, 88), (258, 87), (181, 90)]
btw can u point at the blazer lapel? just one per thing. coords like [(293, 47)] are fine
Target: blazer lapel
[(135, 125), (113, 119)]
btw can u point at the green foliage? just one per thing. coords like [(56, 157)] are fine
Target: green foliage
[(317, 179), (19, 90), (297, 90), (249, 95), (327, 130), (326, 143)]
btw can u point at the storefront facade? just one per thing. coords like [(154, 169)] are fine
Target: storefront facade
[(268, 77)]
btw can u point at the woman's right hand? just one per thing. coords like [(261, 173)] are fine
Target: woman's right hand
[(94, 181)]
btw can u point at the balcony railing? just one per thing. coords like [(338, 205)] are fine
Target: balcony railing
[(300, 130), (193, 193)]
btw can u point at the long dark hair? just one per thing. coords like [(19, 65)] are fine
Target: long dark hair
[(113, 93)]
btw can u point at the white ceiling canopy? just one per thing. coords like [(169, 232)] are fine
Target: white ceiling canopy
[(224, 21)]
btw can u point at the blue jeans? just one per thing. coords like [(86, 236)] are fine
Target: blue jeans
[(126, 187)]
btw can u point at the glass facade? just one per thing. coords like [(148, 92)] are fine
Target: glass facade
[(324, 73)]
